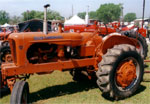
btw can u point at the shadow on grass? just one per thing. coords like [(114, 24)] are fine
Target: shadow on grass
[(141, 89), (60, 90)]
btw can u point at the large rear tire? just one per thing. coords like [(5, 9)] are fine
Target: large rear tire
[(142, 41), (120, 71), (20, 93)]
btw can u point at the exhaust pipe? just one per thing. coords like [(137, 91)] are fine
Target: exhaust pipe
[(45, 27)]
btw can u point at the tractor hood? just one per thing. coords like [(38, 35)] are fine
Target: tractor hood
[(72, 39), (20, 42)]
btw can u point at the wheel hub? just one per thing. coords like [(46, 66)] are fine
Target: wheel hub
[(126, 73)]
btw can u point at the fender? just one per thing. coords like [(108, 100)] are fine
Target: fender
[(111, 40)]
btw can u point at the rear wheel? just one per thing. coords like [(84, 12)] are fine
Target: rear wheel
[(4, 51), (142, 42), (120, 71), (20, 93)]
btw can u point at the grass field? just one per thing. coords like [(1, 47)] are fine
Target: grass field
[(59, 88)]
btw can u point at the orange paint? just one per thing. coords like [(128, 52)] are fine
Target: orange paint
[(86, 49), (126, 73)]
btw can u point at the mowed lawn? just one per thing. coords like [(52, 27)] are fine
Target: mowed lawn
[(59, 88)]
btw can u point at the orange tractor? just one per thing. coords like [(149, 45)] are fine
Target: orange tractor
[(104, 30), (114, 61)]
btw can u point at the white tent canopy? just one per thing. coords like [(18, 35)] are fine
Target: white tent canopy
[(5, 25), (75, 20)]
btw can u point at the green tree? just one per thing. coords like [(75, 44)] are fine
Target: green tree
[(4, 17), (129, 17), (54, 15), (15, 20), (109, 12), (27, 15), (82, 15), (93, 15)]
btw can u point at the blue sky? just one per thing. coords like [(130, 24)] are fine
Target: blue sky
[(64, 7)]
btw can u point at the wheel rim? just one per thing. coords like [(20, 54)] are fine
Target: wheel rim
[(127, 73)]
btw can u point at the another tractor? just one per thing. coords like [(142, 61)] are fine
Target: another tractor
[(34, 25), (114, 61), (135, 32)]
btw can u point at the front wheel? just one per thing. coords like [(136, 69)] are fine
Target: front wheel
[(20, 93), (120, 71)]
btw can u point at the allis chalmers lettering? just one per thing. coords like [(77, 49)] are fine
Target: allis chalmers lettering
[(48, 37)]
